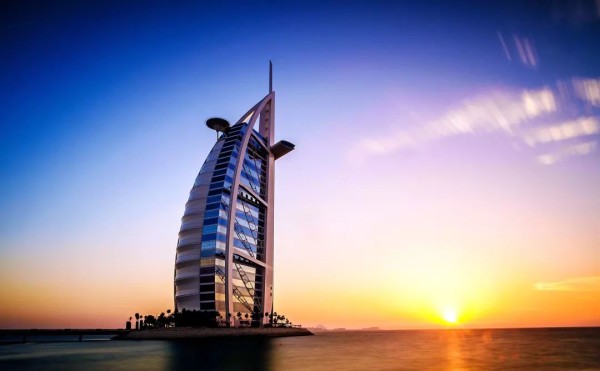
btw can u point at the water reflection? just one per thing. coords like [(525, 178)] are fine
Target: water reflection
[(454, 354), (220, 354), (343, 350)]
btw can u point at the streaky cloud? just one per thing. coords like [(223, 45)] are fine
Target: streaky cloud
[(588, 89), (582, 126), (530, 116), (572, 150), (578, 284)]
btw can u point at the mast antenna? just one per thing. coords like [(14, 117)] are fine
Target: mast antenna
[(270, 76)]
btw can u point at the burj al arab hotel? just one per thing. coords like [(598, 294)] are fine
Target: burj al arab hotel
[(224, 257)]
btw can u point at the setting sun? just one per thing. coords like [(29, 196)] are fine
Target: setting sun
[(450, 315)]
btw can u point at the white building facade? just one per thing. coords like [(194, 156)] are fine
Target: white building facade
[(224, 256)]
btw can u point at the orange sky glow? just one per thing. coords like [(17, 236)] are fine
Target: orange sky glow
[(446, 171)]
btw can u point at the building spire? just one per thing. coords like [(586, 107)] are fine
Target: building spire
[(270, 77)]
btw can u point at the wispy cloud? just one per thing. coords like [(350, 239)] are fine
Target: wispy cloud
[(496, 111), (521, 46), (573, 150), (582, 126), (588, 89), (526, 50), (588, 284), (532, 117)]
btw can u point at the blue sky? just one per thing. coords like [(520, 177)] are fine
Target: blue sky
[(103, 107)]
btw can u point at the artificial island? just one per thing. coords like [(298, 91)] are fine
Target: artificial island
[(224, 257)]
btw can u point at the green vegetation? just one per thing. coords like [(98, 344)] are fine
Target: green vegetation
[(277, 320), (210, 318)]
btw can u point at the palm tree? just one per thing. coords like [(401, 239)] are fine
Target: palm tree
[(161, 320), (170, 319), (137, 318), (273, 318)]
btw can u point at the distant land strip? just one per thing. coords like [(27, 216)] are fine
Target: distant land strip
[(62, 332), (55, 335)]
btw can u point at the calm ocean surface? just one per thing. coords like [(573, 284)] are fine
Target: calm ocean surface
[(345, 350)]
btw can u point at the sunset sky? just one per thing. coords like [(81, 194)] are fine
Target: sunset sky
[(446, 171)]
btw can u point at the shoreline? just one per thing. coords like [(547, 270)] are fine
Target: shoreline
[(190, 333), (181, 333)]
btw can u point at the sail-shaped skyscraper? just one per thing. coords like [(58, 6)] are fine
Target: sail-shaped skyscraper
[(224, 257)]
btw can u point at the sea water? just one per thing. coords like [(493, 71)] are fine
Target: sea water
[(577, 348)]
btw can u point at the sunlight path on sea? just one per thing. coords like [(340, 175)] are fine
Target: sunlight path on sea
[(455, 349)]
